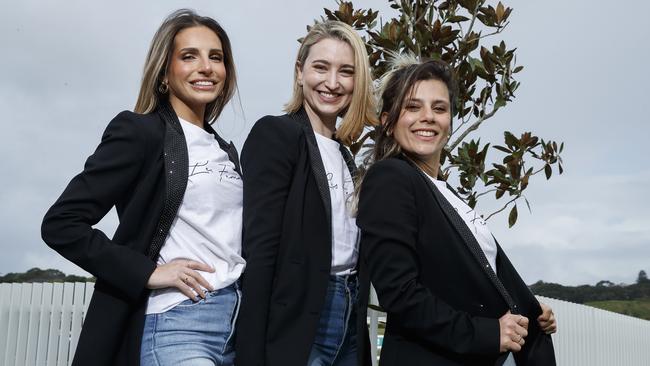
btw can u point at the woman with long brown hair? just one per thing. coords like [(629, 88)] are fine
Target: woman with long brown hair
[(167, 281), (450, 292)]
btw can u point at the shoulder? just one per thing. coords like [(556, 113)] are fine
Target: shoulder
[(284, 124), (280, 131), (147, 124), (134, 133), (391, 169)]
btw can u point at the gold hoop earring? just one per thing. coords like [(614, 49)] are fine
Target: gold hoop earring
[(163, 88)]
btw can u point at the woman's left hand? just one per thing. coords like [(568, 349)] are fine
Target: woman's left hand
[(547, 319)]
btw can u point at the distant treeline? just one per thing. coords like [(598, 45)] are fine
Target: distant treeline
[(602, 291), (43, 275)]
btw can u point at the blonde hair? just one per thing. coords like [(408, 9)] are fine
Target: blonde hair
[(362, 106), (160, 53)]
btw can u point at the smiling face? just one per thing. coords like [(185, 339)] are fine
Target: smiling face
[(196, 72), (424, 123), (327, 79)]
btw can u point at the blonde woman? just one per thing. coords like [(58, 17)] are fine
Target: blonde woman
[(167, 282), (300, 241)]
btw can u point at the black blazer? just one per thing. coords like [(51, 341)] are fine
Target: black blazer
[(287, 242), (140, 167), (442, 299)]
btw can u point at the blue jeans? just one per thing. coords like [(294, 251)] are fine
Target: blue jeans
[(336, 338), (193, 333)]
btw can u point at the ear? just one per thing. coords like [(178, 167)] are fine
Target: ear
[(299, 73), (383, 118)]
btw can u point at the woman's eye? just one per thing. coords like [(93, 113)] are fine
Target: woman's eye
[(217, 58), (320, 67), (188, 57), (412, 107), (347, 72)]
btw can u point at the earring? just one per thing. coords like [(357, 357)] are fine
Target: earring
[(163, 88)]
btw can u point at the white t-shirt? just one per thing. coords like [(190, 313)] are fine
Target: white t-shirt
[(345, 234), (474, 222), (208, 226)]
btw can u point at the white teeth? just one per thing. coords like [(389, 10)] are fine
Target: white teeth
[(203, 83), (425, 133), (329, 95)]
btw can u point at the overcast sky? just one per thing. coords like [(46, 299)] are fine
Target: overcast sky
[(69, 67)]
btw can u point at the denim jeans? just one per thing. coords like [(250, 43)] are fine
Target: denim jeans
[(193, 333), (336, 339)]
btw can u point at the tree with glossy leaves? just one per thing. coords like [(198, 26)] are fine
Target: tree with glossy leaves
[(462, 33)]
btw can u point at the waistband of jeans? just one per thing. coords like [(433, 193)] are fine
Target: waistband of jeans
[(233, 287), (345, 279)]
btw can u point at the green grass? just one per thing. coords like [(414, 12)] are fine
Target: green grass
[(636, 308)]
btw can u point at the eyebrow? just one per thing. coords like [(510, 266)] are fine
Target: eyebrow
[(328, 63), (408, 100), (193, 49)]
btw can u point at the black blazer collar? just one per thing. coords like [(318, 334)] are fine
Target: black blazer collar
[(228, 147), (176, 164), (316, 160), (468, 238)]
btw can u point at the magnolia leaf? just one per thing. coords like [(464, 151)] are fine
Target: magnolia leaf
[(512, 218), (457, 19), (548, 171)]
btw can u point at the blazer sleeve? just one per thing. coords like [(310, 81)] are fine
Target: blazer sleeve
[(68, 225), (389, 222), (268, 159)]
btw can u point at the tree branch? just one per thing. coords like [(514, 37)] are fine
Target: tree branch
[(471, 128), (502, 208), (471, 23), (486, 192)]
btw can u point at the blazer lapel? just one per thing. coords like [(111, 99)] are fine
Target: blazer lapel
[(229, 148), (349, 160), (176, 169), (316, 162), (469, 240)]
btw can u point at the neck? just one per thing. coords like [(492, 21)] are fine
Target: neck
[(431, 167), (432, 171), (320, 126), (192, 115)]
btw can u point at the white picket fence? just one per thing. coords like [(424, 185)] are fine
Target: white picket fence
[(40, 322), (40, 325)]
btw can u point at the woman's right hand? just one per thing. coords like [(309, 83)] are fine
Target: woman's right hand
[(513, 328), (181, 274)]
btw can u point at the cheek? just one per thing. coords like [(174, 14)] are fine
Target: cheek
[(221, 70), (400, 135), (349, 86)]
